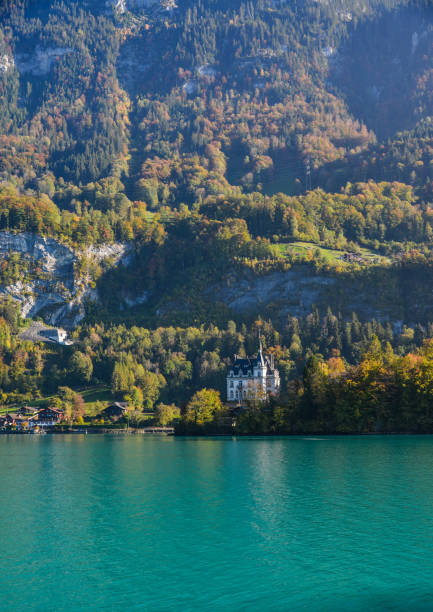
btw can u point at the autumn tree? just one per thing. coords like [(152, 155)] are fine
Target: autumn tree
[(203, 408), (167, 414)]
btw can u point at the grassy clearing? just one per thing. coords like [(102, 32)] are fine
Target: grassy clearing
[(331, 256), (96, 394)]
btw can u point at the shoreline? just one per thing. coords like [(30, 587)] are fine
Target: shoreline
[(151, 431), (144, 432)]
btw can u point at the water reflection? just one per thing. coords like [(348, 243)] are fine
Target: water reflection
[(220, 524)]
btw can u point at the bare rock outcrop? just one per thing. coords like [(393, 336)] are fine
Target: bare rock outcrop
[(54, 292), (6, 63)]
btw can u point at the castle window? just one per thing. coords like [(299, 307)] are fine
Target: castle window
[(231, 383), (232, 394)]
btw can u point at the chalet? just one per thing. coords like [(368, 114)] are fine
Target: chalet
[(7, 421), (353, 258), (11, 419), (115, 411), (252, 378), (24, 422), (48, 417), (27, 411), (15, 421)]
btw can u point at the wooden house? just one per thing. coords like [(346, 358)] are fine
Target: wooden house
[(48, 417), (27, 411), (115, 411)]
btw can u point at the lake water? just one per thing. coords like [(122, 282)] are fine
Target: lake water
[(133, 523)]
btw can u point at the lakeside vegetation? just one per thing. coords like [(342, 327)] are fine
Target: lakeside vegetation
[(337, 376)]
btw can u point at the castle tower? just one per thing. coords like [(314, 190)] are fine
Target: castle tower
[(260, 372)]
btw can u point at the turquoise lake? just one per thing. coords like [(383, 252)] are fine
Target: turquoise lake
[(133, 523)]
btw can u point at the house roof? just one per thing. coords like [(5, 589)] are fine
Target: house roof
[(51, 410), (116, 407), (123, 405), (13, 418), (56, 330), (27, 409)]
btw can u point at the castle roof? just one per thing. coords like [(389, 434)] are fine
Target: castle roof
[(245, 365), (259, 361), (242, 366)]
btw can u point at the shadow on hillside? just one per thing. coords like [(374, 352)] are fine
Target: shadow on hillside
[(380, 69)]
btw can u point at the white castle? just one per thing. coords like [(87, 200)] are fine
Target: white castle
[(253, 378)]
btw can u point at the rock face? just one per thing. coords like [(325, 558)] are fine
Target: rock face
[(296, 292), (117, 5), (40, 62), (55, 294), (6, 63), (121, 6)]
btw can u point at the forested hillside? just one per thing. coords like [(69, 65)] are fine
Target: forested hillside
[(266, 163), (178, 102)]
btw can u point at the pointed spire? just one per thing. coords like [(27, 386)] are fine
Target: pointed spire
[(260, 353)]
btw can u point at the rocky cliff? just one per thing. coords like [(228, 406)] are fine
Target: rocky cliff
[(54, 292), (121, 6)]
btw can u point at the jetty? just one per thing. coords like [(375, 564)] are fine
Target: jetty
[(167, 431)]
